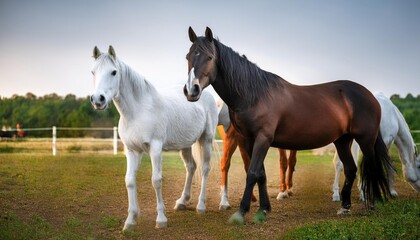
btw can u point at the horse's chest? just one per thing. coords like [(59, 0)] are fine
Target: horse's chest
[(136, 137)]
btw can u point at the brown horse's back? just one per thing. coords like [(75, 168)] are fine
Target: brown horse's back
[(330, 110)]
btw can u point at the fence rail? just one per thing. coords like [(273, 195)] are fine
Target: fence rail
[(54, 130), (114, 140)]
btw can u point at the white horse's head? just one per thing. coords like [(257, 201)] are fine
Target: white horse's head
[(106, 78)]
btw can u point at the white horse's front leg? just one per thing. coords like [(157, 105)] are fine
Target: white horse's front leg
[(133, 162), (156, 158), (190, 166), (206, 147), (338, 167)]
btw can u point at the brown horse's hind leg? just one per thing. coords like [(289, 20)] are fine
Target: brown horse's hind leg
[(286, 180), (292, 163), (343, 145), (283, 168)]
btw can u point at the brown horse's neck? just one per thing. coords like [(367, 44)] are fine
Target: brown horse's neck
[(239, 82)]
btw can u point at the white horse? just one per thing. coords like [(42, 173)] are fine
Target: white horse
[(151, 122), (394, 129)]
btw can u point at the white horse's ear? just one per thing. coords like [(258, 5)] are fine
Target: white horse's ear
[(111, 52), (209, 34), (192, 35), (96, 52)]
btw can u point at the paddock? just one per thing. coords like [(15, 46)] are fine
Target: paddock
[(83, 195)]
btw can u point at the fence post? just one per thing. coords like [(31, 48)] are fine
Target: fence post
[(115, 141), (54, 140)]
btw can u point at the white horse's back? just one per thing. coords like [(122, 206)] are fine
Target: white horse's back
[(179, 110)]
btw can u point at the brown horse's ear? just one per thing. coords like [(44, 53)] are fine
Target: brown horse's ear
[(192, 35), (96, 52), (209, 34), (111, 52)]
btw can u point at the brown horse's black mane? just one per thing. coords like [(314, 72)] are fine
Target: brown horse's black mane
[(245, 78)]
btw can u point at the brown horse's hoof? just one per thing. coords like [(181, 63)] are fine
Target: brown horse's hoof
[(254, 199), (282, 195), (343, 212)]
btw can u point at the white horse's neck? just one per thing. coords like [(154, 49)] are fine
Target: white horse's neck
[(135, 92)]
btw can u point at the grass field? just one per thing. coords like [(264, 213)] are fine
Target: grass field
[(83, 196)]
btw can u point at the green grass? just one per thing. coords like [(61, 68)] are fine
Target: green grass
[(403, 223), (10, 149), (82, 196)]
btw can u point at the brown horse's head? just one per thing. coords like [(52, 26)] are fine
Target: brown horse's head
[(202, 68)]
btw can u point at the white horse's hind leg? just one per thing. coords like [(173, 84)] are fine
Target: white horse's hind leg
[(206, 147), (156, 157), (133, 162), (338, 167), (190, 166)]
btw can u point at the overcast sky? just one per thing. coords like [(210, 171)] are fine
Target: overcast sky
[(46, 46)]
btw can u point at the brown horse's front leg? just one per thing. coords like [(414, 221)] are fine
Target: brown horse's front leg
[(229, 147), (256, 174), (247, 160)]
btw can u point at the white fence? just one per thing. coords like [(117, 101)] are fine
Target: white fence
[(54, 137), (114, 140)]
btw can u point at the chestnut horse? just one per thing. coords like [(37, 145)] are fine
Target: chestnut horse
[(228, 134), (266, 110)]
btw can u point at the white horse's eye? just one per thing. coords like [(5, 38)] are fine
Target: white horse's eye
[(114, 73), (93, 73)]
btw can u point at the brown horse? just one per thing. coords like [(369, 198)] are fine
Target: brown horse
[(266, 110), (228, 134)]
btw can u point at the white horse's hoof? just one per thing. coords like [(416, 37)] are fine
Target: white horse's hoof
[(224, 207), (336, 198), (129, 227), (161, 225), (201, 211), (282, 195), (394, 194), (343, 211), (180, 207)]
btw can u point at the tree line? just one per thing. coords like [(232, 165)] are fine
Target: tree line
[(30, 111)]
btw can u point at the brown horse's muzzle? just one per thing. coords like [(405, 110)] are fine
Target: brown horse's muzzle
[(192, 89), (194, 93)]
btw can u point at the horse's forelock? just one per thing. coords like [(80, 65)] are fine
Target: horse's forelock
[(104, 59), (205, 46)]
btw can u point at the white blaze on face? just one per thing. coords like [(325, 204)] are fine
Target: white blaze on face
[(191, 80)]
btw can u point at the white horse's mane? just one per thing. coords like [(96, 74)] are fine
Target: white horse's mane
[(136, 80)]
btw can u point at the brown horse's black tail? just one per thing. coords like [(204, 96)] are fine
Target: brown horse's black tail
[(374, 174)]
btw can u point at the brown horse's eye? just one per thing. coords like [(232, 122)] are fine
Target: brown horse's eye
[(209, 58)]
